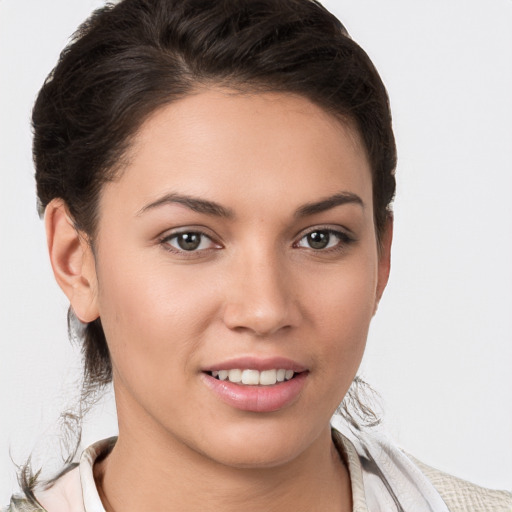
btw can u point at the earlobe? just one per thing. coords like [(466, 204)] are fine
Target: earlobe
[(384, 260), (72, 261)]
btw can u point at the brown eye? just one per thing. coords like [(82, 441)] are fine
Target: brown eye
[(318, 239), (189, 241)]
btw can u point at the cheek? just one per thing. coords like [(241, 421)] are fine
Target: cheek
[(345, 299), (152, 317), (343, 309)]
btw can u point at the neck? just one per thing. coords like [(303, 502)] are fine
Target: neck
[(152, 472)]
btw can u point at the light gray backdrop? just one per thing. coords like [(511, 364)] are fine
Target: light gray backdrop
[(440, 349)]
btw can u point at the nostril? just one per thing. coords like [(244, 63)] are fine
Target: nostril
[(257, 321)]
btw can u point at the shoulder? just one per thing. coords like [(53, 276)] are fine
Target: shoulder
[(64, 494), (21, 504), (74, 490), (462, 496), (382, 473), (60, 495)]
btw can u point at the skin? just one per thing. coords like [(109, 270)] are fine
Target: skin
[(255, 287)]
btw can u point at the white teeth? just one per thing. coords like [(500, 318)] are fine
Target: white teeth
[(254, 377), (235, 376), (268, 377), (251, 377)]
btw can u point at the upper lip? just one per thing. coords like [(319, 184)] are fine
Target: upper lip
[(256, 363)]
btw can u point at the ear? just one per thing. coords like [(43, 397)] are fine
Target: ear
[(384, 260), (72, 261)]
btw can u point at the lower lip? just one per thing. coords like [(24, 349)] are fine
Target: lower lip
[(257, 398)]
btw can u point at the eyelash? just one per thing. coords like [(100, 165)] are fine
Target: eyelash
[(344, 240), (166, 239)]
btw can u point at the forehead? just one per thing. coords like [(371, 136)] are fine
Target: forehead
[(244, 147)]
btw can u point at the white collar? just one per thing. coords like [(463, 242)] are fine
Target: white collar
[(382, 477), (391, 481)]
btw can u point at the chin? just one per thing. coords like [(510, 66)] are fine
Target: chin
[(259, 448), (255, 458)]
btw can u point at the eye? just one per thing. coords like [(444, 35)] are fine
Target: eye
[(321, 239), (189, 241)]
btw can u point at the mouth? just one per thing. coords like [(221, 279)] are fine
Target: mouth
[(251, 377), (262, 391)]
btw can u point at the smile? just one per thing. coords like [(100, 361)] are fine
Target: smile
[(261, 392), (251, 377)]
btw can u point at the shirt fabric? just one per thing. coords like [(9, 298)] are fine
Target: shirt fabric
[(383, 479)]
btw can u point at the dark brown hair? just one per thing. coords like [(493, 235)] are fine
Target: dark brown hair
[(131, 58)]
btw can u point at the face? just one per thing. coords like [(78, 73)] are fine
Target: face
[(236, 272)]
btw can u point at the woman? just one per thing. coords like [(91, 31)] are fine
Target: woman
[(216, 181)]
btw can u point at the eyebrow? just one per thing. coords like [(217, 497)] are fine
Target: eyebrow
[(328, 203), (199, 205), (196, 204)]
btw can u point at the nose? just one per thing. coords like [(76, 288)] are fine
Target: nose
[(261, 298)]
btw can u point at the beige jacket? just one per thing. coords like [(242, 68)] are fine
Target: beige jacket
[(459, 495)]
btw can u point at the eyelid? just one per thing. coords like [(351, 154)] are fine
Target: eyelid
[(345, 239), (334, 229), (167, 235), (194, 228)]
